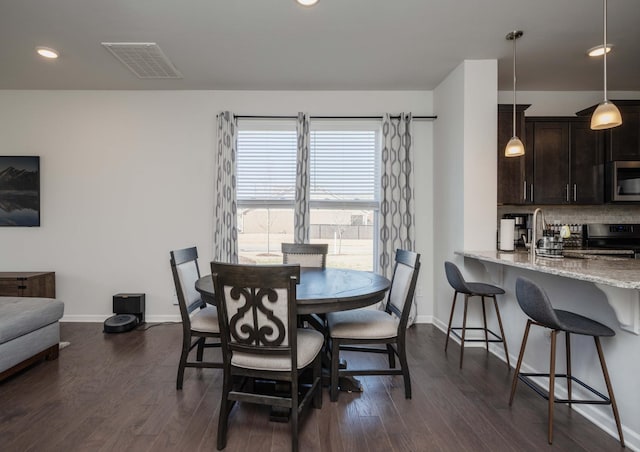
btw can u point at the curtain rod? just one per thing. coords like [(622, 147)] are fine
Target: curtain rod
[(427, 118)]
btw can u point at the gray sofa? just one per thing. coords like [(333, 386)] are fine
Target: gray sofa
[(29, 331)]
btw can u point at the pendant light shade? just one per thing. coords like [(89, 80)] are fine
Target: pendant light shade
[(606, 115), (515, 147)]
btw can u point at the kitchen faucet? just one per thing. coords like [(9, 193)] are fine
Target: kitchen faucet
[(534, 227)]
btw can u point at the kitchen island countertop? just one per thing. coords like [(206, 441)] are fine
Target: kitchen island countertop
[(617, 272)]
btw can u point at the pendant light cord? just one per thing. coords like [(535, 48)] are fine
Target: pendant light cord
[(604, 47), (514, 83)]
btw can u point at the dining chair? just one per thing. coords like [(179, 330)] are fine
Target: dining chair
[(199, 320), (261, 340), (349, 330), (305, 254)]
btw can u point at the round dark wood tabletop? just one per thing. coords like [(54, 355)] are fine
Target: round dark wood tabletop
[(323, 290)]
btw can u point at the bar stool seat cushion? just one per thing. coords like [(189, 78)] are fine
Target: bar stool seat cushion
[(362, 324), (577, 324), (484, 289)]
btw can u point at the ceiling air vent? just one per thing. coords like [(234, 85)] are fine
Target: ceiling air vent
[(145, 59)]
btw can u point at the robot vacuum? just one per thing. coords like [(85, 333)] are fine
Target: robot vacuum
[(120, 323)]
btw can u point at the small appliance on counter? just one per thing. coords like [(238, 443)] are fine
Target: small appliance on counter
[(521, 228)]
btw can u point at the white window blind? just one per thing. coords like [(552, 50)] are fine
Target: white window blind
[(343, 165), (343, 168), (266, 165)]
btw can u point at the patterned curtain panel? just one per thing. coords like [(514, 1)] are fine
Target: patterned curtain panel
[(397, 211), (225, 237), (301, 215)]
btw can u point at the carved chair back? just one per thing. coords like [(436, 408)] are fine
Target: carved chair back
[(257, 309)]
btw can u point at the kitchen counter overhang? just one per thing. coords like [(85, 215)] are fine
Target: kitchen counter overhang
[(619, 279)]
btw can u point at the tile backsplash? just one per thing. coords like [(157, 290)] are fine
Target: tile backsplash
[(608, 213)]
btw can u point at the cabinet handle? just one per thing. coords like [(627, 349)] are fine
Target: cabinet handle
[(567, 192), (524, 190), (531, 193), (575, 192)]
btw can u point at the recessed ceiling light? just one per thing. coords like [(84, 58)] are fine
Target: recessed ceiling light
[(307, 2), (598, 50), (47, 52)]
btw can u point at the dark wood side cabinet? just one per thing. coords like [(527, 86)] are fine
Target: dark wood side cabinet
[(514, 178), (28, 284)]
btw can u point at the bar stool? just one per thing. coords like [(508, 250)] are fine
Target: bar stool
[(535, 303), (473, 289)]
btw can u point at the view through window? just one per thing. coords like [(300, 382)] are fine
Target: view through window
[(343, 190)]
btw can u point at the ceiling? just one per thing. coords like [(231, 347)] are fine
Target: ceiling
[(336, 45)]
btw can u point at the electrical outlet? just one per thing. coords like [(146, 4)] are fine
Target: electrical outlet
[(174, 299)]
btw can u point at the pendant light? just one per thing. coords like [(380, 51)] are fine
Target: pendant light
[(606, 115), (514, 148)]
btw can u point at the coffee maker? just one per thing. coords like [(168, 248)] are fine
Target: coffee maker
[(522, 227)]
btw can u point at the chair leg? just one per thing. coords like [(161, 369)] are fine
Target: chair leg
[(484, 319), (567, 339), (200, 351), (295, 412), (402, 354), (186, 342), (552, 381), (223, 416), (335, 363), (464, 328), (317, 380), (520, 356), (453, 307), (504, 338), (392, 356), (607, 381)]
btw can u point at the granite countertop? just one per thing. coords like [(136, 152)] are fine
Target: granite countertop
[(609, 270)]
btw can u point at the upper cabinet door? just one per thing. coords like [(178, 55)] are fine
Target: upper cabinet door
[(551, 162), (513, 183), (587, 163), (624, 141)]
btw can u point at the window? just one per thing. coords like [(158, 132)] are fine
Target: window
[(344, 168)]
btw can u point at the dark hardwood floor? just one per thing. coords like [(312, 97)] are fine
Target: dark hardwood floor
[(117, 392)]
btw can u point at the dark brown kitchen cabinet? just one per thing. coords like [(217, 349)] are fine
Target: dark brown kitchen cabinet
[(513, 179), (586, 175), (28, 284), (550, 147), (568, 162), (622, 142)]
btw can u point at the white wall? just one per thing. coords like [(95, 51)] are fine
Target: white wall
[(465, 157), (127, 176)]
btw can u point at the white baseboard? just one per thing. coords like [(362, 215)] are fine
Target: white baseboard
[(424, 319)]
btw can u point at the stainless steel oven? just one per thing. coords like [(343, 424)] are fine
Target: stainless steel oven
[(624, 181)]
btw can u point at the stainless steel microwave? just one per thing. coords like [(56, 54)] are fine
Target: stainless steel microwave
[(624, 181)]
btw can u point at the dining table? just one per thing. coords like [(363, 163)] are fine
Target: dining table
[(324, 290)]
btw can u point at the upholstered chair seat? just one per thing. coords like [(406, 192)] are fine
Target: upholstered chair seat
[(309, 345), (205, 320), (363, 323)]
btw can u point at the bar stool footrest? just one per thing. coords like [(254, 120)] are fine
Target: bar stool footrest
[(527, 378), (495, 338)]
